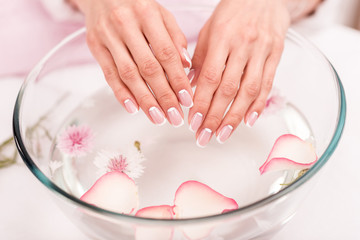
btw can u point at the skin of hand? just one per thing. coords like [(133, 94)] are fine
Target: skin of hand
[(142, 53), (235, 61)]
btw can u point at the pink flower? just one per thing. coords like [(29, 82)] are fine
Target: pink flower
[(76, 141)]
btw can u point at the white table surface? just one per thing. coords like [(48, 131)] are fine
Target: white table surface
[(331, 211)]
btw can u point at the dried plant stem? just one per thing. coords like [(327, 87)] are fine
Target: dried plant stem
[(7, 161), (301, 173)]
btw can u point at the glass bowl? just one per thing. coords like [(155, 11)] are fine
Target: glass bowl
[(68, 88)]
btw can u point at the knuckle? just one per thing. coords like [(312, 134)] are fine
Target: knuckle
[(178, 81), (142, 7), (210, 75), (235, 118), (101, 26), (250, 35), (144, 100), (109, 73), (201, 105), (197, 58), (149, 68), (266, 40), (213, 120), (261, 103), (128, 72), (252, 89), (268, 83), (167, 54), (118, 15), (91, 39), (278, 45), (119, 93), (228, 89), (166, 97)]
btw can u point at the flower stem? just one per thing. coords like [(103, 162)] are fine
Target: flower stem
[(137, 145)]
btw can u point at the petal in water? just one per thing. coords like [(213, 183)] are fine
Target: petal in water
[(152, 232), (289, 152), (114, 191), (195, 199)]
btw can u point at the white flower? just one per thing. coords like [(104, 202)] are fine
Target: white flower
[(129, 163)]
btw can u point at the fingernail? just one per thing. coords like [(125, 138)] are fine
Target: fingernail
[(185, 98), (187, 57), (196, 122), (130, 106), (204, 137), (175, 118), (224, 134), (157, 116), (252, 119), (191, 75)]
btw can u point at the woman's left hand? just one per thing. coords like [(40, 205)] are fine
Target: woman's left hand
[(235, 61)]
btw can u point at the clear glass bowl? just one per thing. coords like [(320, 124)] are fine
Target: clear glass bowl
[(67, 87)]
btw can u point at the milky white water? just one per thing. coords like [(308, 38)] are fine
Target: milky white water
[(173, 156)]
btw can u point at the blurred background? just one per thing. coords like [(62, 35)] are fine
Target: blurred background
[(30, 28)]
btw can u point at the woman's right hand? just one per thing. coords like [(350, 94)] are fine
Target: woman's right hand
[(142, 53)]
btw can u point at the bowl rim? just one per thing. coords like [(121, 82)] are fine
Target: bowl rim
[(130, 218)]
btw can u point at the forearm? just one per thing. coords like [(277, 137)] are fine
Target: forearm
[(299, 9)]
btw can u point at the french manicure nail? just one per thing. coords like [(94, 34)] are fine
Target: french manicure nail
[(196, 122), (224, 133), (185, 98), (130, 106), (187, 57), (175, 118), (157, 116), (252, 119), (191, 75), (204, 137)]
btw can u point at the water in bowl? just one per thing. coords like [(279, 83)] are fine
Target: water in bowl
[(172, 156)]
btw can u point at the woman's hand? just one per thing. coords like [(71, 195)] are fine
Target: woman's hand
[(142, 53), (234, 62)]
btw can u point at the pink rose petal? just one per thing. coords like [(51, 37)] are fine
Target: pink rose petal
[(159, 212), (289, 152), (152, 232), (114, 191), (195, 199)]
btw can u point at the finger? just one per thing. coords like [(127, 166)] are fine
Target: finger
[(259, 104), (177, 37), (208, 82), (249, 90), (199, 56), (107, 64), (226, 92), (151, 71), (169, 58), (129, 74)]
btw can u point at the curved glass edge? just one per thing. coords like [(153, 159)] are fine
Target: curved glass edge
[(260, 203)]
